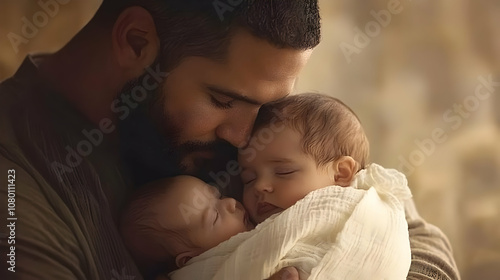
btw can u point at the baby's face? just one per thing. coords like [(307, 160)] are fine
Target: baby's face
[(278, 174), (199, 208)]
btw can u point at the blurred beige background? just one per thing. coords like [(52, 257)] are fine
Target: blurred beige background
[(416, 73)]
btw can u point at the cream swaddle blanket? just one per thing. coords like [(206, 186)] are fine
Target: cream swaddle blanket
[(357, 232)]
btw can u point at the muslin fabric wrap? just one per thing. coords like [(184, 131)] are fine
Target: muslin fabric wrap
[(356, 232)]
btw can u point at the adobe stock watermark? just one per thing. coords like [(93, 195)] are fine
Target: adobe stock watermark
[(258, 142), (201, 197), (30, 28), (223, 6), (122, 106), (373, 28), (454, 117)]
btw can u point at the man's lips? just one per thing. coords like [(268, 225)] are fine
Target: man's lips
[(264, 207)]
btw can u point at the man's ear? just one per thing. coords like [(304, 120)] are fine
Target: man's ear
[(135, 40), (182, 258), (344, 170)]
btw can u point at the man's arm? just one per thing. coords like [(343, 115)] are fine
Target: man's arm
[(431, 251), (40, 244)]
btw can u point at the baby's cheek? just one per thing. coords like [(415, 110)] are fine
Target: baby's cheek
[(250, 203), (248, 199)]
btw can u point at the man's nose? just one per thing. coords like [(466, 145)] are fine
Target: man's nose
[(229, 204), (236, 129)]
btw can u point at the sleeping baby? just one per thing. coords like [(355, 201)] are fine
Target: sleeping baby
[(316, 205)]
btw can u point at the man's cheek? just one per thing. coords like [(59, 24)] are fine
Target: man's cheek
[(199, 122), (188, 127)]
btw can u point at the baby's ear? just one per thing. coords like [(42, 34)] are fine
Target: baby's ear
[(183, 258), (345, 168)]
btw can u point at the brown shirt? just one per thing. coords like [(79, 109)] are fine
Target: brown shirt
[(68, 193)]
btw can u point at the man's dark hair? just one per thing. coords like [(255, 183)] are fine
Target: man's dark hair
[(204, 27)]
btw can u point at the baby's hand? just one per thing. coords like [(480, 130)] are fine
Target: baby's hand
[(287, 273)]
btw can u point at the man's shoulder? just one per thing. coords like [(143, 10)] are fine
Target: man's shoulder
[(12, 93), (30, 186), (23, 182), (38, 236)]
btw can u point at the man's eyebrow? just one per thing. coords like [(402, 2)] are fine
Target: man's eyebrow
[(232, 94)]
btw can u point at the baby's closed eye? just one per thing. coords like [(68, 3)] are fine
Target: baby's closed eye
[(247, 177)]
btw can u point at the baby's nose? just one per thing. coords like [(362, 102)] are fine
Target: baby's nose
[(263, 186), (230, 204)]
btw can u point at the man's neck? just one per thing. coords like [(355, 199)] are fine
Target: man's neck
[(85, 74)]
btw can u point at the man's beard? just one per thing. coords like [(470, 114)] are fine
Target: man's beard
[(149, 144)]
